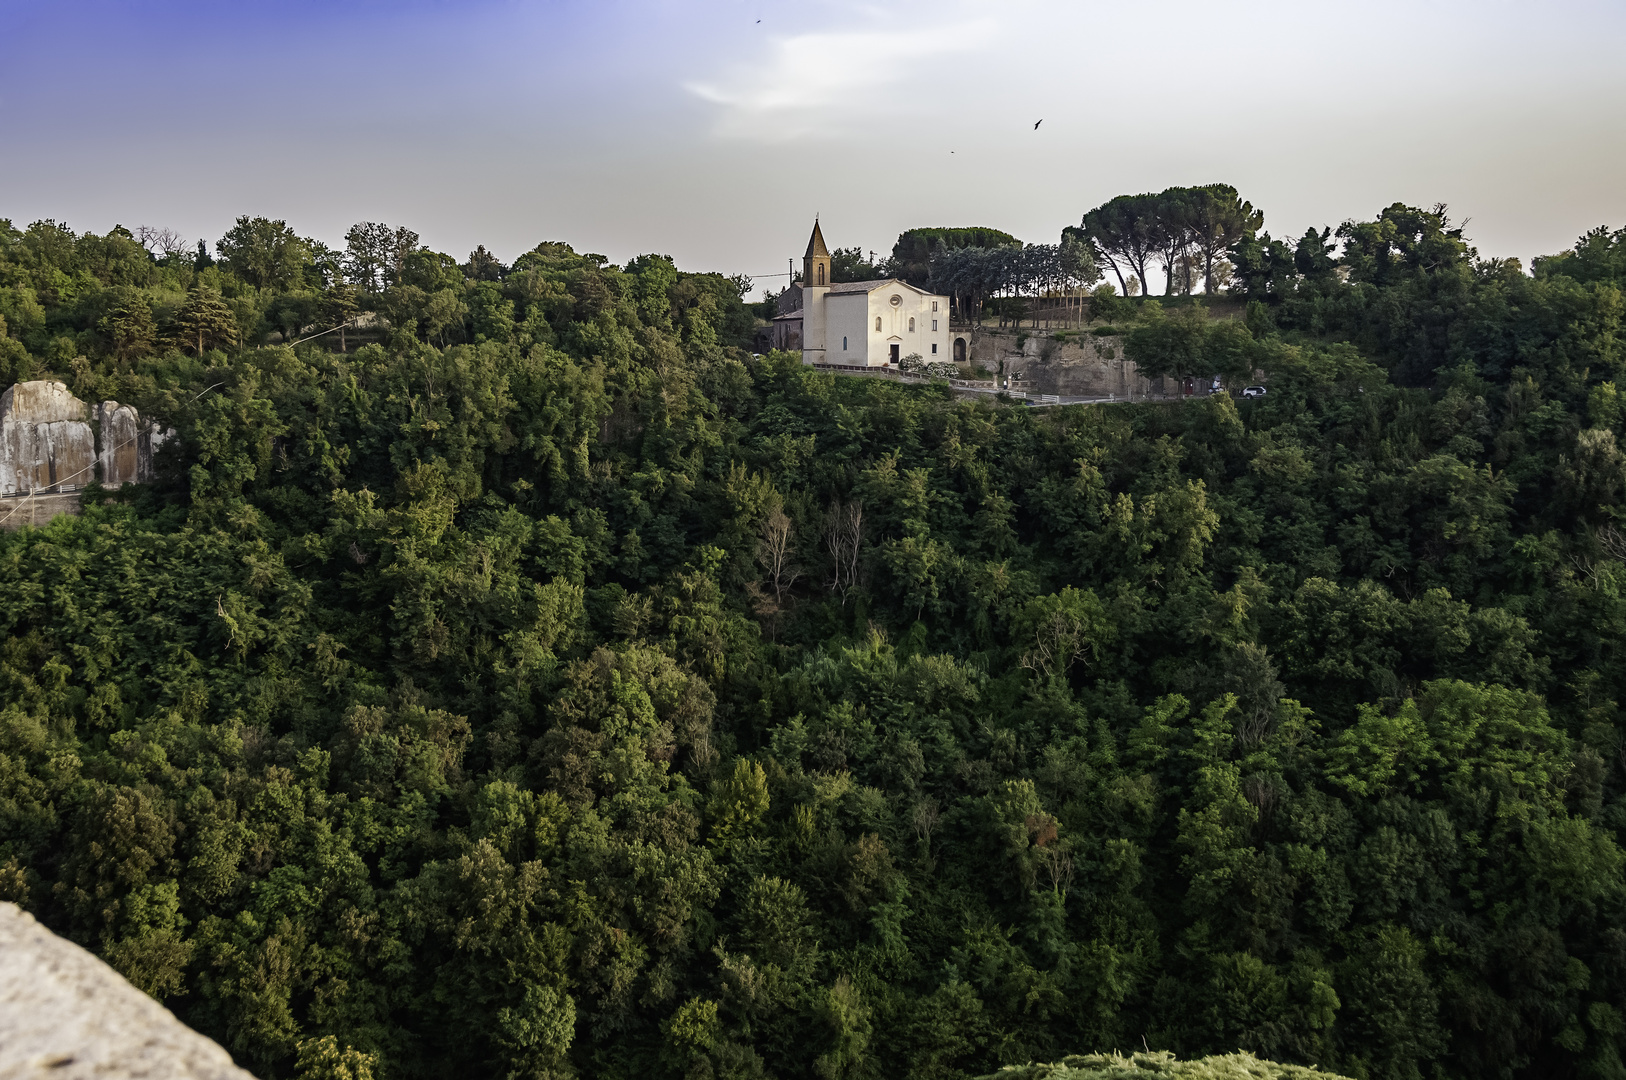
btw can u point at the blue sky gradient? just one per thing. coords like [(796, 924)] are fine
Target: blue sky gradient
[(693, 129)]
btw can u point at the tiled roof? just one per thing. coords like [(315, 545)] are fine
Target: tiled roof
[(863, 286), (797, 314)]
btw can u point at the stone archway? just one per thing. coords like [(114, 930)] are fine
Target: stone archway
[(959, 350)]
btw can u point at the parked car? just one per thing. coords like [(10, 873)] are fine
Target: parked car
[(1253, 391)]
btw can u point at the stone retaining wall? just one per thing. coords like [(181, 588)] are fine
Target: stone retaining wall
[(1079, 365)]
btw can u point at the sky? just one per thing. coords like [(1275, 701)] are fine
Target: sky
[(714, 132)]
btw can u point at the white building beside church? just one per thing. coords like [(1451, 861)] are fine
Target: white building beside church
[(864, 323)]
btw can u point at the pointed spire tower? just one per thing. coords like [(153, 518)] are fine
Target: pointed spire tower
[(816, 263), (815, 285)]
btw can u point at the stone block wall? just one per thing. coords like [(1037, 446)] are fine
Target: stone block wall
[(1080, 365)]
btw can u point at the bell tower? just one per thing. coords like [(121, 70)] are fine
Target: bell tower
[(815, 285), (816, 263)]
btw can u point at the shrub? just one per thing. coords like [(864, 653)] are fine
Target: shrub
[(1159, 1065)]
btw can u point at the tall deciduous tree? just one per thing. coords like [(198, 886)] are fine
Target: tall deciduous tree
[(338, 306), (1403, 242), (267, 254), (1079, 270), (1599, 255), (375, 253), (483, 265)]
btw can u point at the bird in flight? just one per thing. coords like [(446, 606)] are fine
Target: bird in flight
[(1036, 124)]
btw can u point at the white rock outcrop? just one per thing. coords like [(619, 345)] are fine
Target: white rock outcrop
[(66, 1015), (126, 445), (46, 442)]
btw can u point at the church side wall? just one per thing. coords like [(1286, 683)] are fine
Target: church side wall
[(847, 318)]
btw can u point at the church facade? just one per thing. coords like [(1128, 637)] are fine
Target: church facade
[(862, 323)]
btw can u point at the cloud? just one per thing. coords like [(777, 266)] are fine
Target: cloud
[(819, 83)]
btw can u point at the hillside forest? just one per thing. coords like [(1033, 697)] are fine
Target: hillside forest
[(511, 673)]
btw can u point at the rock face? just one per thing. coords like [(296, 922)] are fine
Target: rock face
[(46, 442), (127, 445), (49, 449), (66, 1015)]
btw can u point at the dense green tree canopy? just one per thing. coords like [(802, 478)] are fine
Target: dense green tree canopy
[(913, 251), (265, 253), (1186, 230), (531, 681)]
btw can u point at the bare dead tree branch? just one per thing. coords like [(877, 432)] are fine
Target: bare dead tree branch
[(160, 241), (776, 555), (844, 539)]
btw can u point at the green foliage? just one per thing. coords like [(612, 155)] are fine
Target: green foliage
[(1599, 255), (264, 253), (1187, 229), (322, 1059), (913, 251), (534, 682), (849, 264), (204, 321), (1162, 1064)]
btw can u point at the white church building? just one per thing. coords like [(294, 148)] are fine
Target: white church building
[(863, 323)]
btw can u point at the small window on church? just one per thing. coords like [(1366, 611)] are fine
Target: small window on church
[(821, 273), (843, 344), (911, 324), (877, 324)]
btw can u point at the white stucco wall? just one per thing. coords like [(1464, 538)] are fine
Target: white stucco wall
[(847, 342), (851, 337), (815, 325)]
